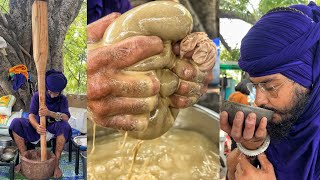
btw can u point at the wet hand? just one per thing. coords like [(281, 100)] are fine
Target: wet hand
[(194, 68), (246, 171), (247, 135), (116, 98)]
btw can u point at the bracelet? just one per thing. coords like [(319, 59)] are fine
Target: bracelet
[(256, 152), (59, 116)]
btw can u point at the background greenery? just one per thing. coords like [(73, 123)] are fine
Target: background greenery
[(239, 9), (74, 51)]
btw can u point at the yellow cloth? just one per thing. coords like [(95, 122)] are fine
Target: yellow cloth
[(19, 69), (6, 103), (238, 97)]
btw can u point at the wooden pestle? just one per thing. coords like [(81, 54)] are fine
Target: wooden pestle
[(40, 55)]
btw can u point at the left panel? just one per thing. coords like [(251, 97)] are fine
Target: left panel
[(43, 128)]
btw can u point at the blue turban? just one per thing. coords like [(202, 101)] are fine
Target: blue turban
[(55, 81), (286, 41)]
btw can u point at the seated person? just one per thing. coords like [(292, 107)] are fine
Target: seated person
[(57, 115)]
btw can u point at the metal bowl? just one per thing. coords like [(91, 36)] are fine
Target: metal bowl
[(5, 141), (7, 156), (10, 149), (232, 108)]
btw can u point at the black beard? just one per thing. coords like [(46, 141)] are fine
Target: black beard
[(280, 130)]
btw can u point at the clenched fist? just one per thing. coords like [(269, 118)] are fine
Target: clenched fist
[(138, 83)]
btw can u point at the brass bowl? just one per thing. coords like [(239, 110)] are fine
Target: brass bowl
[(232, 108)]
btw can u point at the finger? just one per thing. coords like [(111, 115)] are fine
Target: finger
[(208, 78), (124, 53), (239, 170), (111, 106), (188, 71), (205, 55), (96, 29), (176, 48), (187, 88), (126, 122), (224, 124), (265, 163), (124, 84), (236, 131), (178, 101), (176, 51), (245, 163), (261, 131), (249, 126)]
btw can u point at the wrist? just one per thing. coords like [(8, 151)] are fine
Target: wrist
[(255, 152), (253, 145)]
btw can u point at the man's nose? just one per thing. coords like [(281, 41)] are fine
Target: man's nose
[(261, 98)]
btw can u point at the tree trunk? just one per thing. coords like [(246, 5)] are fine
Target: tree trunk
[(15, 28)]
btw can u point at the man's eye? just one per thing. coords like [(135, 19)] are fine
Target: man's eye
[(269, 88)]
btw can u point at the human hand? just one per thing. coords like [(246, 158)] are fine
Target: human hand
[(249, 137), (117, 98), (197, 53), (41, 130), (132, 80), (246, 171), (232, 161), (43, 111)]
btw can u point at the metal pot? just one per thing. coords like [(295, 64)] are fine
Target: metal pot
[(5, 141), (7, 156), (196, 118)]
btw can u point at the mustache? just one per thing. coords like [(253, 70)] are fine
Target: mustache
[(273, 109)]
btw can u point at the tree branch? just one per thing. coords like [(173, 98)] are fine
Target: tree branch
[(249, 18), (225, 44)]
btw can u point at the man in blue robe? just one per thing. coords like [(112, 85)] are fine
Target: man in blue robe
[(57, 114), (281, 53)]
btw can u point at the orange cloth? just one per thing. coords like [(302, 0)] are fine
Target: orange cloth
[(19, 69), (238, 97)]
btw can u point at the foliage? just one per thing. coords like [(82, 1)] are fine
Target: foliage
[(4, 6), (74, 51), (233, 55), (75, 54), (266, 5), (240, 7)]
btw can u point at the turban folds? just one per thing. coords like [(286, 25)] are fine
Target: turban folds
[(283, 41), (55, 81), (287, 41)]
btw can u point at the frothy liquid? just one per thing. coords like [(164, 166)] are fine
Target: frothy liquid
[(178, 154)]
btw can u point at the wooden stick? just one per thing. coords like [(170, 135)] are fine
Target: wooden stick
[(40, 55)]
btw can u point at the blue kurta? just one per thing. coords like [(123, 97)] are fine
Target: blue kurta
[(24, 129), (99, 8)]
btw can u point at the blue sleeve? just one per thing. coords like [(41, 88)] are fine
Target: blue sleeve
[(64, 106), (34, 105), (94, 10)]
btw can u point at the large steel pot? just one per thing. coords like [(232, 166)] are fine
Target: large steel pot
[(5, 141), (196, 118)]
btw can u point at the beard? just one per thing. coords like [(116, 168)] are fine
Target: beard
[(289, 116)]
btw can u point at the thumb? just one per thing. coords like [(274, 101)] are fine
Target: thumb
[(265, 163), (96, 29)]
